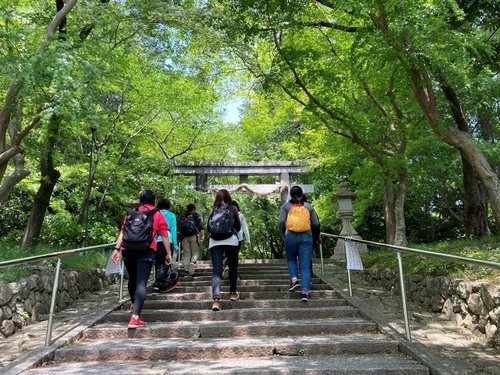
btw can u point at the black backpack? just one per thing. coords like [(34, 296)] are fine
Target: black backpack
[(138, 230), (167, 281), (221, 223), (187, 226)]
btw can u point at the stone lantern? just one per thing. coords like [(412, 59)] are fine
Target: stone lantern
[(343, 199)]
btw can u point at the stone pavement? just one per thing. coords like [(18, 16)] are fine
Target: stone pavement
[(27, 345), (441, 336), (433, 331)]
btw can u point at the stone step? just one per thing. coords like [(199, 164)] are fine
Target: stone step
[(384, 364), (246, 295), (183, 288), (251, 276), (164, 304), (218, 329), (268, 331), (191, 282), (207, 268), (176, 349), (207, 280), (235, 314)]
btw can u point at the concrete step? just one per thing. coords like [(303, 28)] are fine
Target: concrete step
[(268, 331), (220, 329), (246, 295), (172, 304), (192, 282), (252, 276), (176, 349), (385, 364), (246, 288), (235, 314)]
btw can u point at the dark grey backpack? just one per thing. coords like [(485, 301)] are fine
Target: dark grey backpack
[(221, 223)]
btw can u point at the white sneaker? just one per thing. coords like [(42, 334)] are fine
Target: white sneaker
[(191, 269)]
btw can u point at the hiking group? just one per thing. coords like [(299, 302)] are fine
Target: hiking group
[(148, 236)]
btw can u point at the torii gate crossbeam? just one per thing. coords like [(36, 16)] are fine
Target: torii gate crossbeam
[(283, 169)]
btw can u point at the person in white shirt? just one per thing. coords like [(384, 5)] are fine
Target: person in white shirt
[(243, 232)]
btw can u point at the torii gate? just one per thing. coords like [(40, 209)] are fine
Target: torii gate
[(283, 169)]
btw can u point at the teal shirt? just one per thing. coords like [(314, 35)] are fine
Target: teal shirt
[(172, 228)]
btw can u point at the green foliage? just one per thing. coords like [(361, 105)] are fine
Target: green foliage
[(262, 214), (77, 262), (487, 248), (146, 87), (85, 261), (15, 211)]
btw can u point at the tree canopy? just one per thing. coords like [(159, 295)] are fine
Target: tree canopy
[(398, 99)]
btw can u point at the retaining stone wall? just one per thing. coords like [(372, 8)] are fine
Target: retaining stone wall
[(28, 300), (472, 304)]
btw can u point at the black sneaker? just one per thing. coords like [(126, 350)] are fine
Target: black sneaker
[(306, 297), (294, 286)]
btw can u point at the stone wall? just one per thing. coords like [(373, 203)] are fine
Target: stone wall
[(472, 304), (28, 300)]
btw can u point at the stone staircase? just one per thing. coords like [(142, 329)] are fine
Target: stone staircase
[(268, 331)]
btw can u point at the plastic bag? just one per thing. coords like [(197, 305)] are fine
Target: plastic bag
[(113, 269)]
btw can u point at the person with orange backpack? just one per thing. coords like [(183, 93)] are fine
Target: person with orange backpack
[(299, 224)]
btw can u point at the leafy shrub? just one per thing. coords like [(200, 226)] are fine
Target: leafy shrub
[(485, 249)]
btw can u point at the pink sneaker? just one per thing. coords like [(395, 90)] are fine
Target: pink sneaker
[(136, 322)]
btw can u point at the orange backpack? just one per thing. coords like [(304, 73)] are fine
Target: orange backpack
[(298, 219)]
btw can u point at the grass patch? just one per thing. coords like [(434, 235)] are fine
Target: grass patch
[(483, 249), (76, 262)]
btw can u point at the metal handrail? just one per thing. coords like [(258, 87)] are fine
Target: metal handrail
[(58, 255), (456, 258), (398, 250)]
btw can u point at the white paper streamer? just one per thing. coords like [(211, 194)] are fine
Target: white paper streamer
[(352, 256)]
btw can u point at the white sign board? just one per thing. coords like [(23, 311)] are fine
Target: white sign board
[(352, 256)]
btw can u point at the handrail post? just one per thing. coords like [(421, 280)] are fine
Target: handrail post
[(403, 296), (349, 282), (321, 255), (55, 288)]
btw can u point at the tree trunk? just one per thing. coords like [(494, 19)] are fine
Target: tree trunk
[(389, 213), (399, 209), (423, 90), (476, 209), (464, 143), (10, 102), (460, 140), (49, 178)]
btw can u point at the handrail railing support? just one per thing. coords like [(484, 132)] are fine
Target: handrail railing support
[(55, 288), (321, 255), (349, 280), (403, 297)]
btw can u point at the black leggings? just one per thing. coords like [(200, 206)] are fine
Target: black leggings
[(138, 267), (160, 256)]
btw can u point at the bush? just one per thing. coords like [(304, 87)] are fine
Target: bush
[(484, 249)]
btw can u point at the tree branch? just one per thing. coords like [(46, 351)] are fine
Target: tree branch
[(374, 100), (331, 25)]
